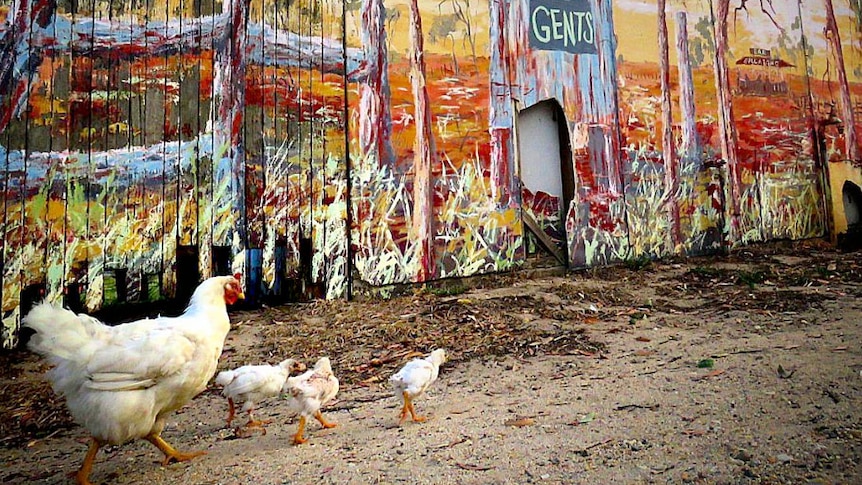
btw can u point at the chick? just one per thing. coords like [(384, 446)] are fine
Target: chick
[(414, 379), (309, 391), (251, 384)]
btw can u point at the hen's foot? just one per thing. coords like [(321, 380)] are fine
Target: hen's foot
[(171, 454)]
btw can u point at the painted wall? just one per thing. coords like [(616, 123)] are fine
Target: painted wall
[(315, 146)]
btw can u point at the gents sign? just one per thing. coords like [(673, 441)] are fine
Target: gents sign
[(562, 25)]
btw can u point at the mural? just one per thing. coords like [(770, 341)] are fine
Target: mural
[(317, 146)]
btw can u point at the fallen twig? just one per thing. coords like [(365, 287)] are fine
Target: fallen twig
[(625, 407), (583, 451)]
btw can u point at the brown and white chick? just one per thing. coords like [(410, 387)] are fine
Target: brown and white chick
[(414, 379), (251, 384), (309, 391)]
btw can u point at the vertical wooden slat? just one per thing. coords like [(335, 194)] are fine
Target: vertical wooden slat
[(336, 185), (172, 154), (229, 176), (273, 203), (252, 140), (206, 116), (56, 220), (189, 131), (295, 220), (97, 169), (11, 199), (77, 179)]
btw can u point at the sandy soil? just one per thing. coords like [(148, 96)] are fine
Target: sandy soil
[(634, 401)]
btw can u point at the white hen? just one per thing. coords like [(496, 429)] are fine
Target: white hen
[(121, 382), (308, 392), (414, 379), (251, 384)]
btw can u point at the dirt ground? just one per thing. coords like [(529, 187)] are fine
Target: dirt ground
[(743, 368)]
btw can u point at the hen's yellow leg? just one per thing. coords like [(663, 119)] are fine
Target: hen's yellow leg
[(83, 474), (323, 422), (170, 452), (297, 438), (231, 412)]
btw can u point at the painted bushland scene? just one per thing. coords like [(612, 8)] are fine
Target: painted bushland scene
[(149, 144), (720, 109), (431, 182), (321, 147)]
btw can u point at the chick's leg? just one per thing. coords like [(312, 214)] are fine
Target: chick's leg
[(82, 477), (231, 412), (171, 454), (405, 408), (323, 422), (297, 438), (418, 419), (254, 423)]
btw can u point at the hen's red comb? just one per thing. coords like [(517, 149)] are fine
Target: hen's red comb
[(238, 276)]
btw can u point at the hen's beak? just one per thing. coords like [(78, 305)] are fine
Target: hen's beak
[(240, 296)]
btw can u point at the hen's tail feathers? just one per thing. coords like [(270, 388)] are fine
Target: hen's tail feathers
[(62, 334)]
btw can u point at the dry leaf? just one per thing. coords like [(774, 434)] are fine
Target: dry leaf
[(716, 372), (520, 422), (643, 339), (470, 466), (643, 352)]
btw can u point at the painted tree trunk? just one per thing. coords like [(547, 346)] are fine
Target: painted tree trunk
[(375, 117), (688, 148), (726, 122), (605, 36), (851, 143), (501, 115), (228, 157), (671, 179), (424, 152)]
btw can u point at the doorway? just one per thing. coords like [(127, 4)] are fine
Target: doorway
[(547, 176)]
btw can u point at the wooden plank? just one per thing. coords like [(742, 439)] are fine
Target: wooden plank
[(189, 129), (77, 179), (116, 231), (12, 160), (274, 172), (544, 240), (37, 168), (336, 185), (295, 223), (253, 144), (93, 137), (58, 96), (229, 174), (172, 156), (205, 161)]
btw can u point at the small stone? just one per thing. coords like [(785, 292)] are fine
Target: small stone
[(783, 457), (742, 455)]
